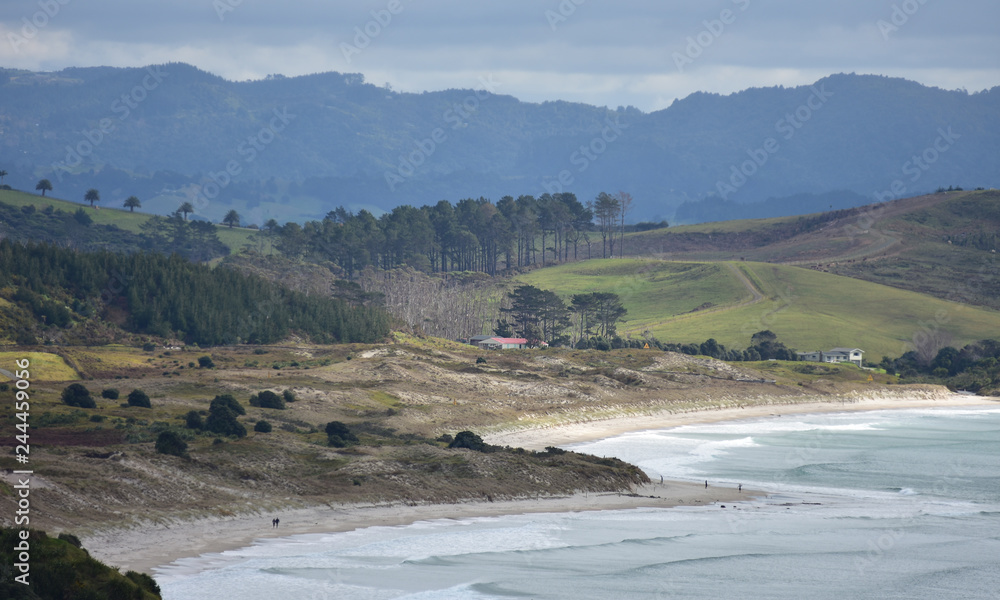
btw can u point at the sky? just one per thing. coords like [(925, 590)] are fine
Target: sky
[(642, 53)]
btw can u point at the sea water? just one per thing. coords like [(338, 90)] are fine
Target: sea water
[(881, 504)]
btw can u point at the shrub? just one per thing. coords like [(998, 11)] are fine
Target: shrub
[(205, 362), (144, 581), (480, 360), (110, 394), (138, 398), (467, 439), (193, 420), (72, 539), (228, 401), (262, 427), (223, 421), (288, 395), (169, 442), (268, 399), (339, 435), (76, 394), (97, 418), (148, 347)]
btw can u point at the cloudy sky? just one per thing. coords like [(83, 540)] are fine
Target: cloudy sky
[(643, 53)]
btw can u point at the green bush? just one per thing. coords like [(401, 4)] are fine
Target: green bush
[(110, 394), (61, 569), (467, 439), (222, 420), (262, 427), (138, 398), (193, 420), (229, 402), (169, 442), (268, 399), (288, 395), (339, 435), (205, 362), (76, 394), (144, 581)]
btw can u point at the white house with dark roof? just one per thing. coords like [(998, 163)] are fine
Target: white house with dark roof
[(834, 355)]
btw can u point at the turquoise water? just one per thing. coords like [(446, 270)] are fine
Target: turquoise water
[(886, 504)]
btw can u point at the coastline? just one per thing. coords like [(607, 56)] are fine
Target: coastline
[(574, 433), (158, 545)]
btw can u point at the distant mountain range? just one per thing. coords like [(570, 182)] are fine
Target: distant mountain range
[(295, 148)]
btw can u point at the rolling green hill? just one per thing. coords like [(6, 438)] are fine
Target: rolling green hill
[(942, 244), (808, 309)]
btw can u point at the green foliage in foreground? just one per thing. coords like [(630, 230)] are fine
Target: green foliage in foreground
[(59, 569)]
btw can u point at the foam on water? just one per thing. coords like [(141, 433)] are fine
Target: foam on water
[(892, 503)]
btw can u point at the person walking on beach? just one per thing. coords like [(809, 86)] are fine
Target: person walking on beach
[(706, 484), (274, 523), (739, 488), (277, 522)]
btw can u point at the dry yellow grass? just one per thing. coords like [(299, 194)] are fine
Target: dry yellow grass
[(43, 366)]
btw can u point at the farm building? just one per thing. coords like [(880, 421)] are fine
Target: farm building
[(502, 343)]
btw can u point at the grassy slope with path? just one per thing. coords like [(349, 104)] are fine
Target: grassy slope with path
[(902, 244), (808, 309)]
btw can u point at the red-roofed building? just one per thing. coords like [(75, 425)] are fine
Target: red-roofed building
[(501, 343)]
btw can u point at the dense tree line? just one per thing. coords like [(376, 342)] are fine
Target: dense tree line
[(171, 297), (472, 235), (973, 368)]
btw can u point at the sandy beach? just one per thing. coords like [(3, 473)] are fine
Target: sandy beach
[(146, 547), (539, 438)]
